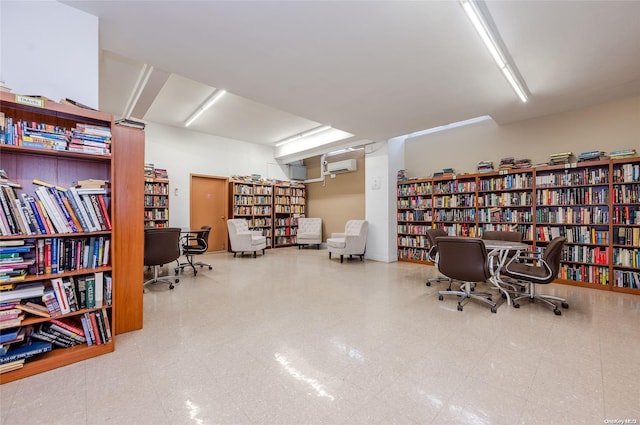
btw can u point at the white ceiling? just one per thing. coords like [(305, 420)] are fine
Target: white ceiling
[(374, 69)]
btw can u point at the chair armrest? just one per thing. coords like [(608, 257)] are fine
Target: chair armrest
[(256, 233), (338, 235)]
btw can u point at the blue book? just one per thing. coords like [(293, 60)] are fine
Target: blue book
[(36, 213), (54, 255), (12, 249), (9, 335), (24, 351)]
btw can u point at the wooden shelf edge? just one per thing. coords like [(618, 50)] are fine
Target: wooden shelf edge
[(56, 358)]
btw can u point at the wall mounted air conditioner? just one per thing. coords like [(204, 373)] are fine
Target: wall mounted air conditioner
[(342, 166)]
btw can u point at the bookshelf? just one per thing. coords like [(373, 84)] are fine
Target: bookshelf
[(454, 205), (253, 201), (270, 208), (415, 216), (594, 204), (62, 166), (156, 202), (289, 204)]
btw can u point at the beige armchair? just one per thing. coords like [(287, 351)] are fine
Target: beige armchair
[(244, 240), (309, 232), (352, 242)]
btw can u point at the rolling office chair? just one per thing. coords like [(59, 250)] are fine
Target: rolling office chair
[(432, 234), (195, 243), (466, 260), (161, 246), (538, 269)]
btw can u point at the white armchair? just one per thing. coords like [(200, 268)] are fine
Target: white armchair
[(244, 240), (352, 242), (309, 232)]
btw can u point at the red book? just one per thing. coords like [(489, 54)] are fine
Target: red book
[(68, 325), (105, 212), (96, 330)]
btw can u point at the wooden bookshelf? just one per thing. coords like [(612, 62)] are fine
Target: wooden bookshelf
[(156, 202), (253, 201), (62, 168), (594, 204), (289, 203)]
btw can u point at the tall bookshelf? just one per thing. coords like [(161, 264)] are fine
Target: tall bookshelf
[(253, 201), (415, 216), (156, 202), (595, 205), (272, 209), (60, 167), (289, 203)]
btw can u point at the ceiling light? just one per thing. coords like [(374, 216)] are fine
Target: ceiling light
[(449, 126), (143, 78), (205, 105), (491, 41), (304, 134)]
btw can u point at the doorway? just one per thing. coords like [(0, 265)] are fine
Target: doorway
[(208, 206)]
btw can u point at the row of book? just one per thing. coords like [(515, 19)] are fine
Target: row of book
[(150, 171), (84, 138), (20, 345), (53, 210), (62, 295), (510, 163)]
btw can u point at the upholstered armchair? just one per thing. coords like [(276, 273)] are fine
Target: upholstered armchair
[(352, 242), (309, 232), (244, 240)]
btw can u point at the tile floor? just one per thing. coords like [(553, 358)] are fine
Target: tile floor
[(294, 338)]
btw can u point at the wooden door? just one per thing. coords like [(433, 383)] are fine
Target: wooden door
[(208, 206)]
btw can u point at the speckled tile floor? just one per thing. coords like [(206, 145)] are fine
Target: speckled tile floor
[(296, 338)]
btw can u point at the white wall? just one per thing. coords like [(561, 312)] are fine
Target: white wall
[(606, 127), (49, 49), (184, 152)]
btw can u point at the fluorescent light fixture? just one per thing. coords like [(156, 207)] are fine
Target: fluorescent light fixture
[(449, 126), (143, 78), (491, 42), (303, 134), (205, 105)]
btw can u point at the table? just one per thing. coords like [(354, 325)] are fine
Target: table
[(499, 249)]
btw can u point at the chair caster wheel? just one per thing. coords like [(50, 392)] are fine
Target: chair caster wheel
[(516, 305), (177, 280), (171, 286), (440, 297), (504, 296), (557, 312), (489, 298), (459, 307), (210, 268), (494, 309), (428, 283), (565, 305), (176, 270)]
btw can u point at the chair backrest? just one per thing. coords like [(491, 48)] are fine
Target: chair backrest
[(463, 258), (237, 225), (552, 255), (502, 235), (161, 245), (432, 234), (356, 227), (310, 225), (198, 242)]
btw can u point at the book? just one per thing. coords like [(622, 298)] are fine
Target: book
[(24, 351), (24, 291), (35, 309), (58, 289), (11, 323), (51, 302), (90, 284), (85, 328), (76, 334), (98, 289), (70, 291), (15, 365)]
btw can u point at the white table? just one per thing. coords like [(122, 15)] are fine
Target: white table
[(499, 250)]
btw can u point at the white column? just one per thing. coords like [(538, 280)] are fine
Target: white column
[(383, 160)]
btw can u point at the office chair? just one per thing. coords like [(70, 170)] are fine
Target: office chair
[(161, 246), (538, 269), (432, 255), (466, 260), (195, 243)]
